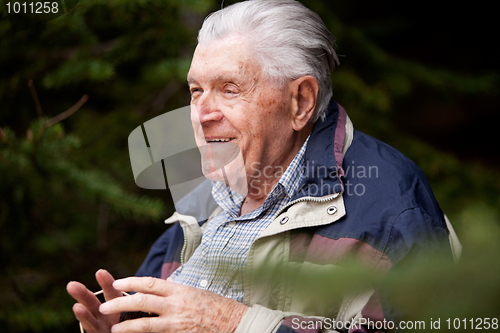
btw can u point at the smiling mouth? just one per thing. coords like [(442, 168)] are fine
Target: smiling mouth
[(219, 140)]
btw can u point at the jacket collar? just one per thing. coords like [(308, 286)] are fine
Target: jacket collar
[(324, 155)]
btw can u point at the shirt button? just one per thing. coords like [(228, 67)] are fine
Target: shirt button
[(231, 224), (203, 283)]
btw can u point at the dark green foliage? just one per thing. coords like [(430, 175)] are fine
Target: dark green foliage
[(54, 218)]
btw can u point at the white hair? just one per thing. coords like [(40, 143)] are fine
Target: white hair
[(288, 40)]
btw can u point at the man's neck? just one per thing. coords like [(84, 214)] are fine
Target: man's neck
[(260, 188), (250, 204)]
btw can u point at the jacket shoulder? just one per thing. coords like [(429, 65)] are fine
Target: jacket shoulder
[(386, 176), (388, 201)]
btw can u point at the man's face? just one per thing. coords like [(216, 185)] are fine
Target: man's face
[(233, 106)]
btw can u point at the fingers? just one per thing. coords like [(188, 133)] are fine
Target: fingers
[(105, 280), (87, 308), (147, 285), (88, 321), (136, 302), (141, 325), (84, 296)]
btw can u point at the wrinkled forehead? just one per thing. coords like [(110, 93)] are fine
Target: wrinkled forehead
[(227, 56)]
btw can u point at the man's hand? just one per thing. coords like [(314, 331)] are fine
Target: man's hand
[(87, 308), (180, 308)]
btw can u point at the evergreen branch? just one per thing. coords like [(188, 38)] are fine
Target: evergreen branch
[(100, 185), (68, 112), (35, 98)]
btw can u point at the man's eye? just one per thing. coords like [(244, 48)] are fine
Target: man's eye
[(230, 90), (195, 91)]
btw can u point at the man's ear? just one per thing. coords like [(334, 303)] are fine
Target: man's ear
[(305, 94)]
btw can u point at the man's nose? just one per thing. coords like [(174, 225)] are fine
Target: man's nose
[(208, 108)]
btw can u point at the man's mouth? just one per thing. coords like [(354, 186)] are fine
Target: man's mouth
[(217, 140), (216, 155)]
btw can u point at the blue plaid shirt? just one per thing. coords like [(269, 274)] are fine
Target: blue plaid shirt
[(218, 264)]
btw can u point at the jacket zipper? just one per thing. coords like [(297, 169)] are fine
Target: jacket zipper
[(313, 199), (184, 246)]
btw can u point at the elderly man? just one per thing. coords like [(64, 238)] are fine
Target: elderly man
[(309, 192)]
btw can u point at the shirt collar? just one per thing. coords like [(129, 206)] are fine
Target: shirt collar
[(292, 177)]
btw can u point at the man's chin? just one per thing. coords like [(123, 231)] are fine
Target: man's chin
[(217, 176), (235, 178)]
